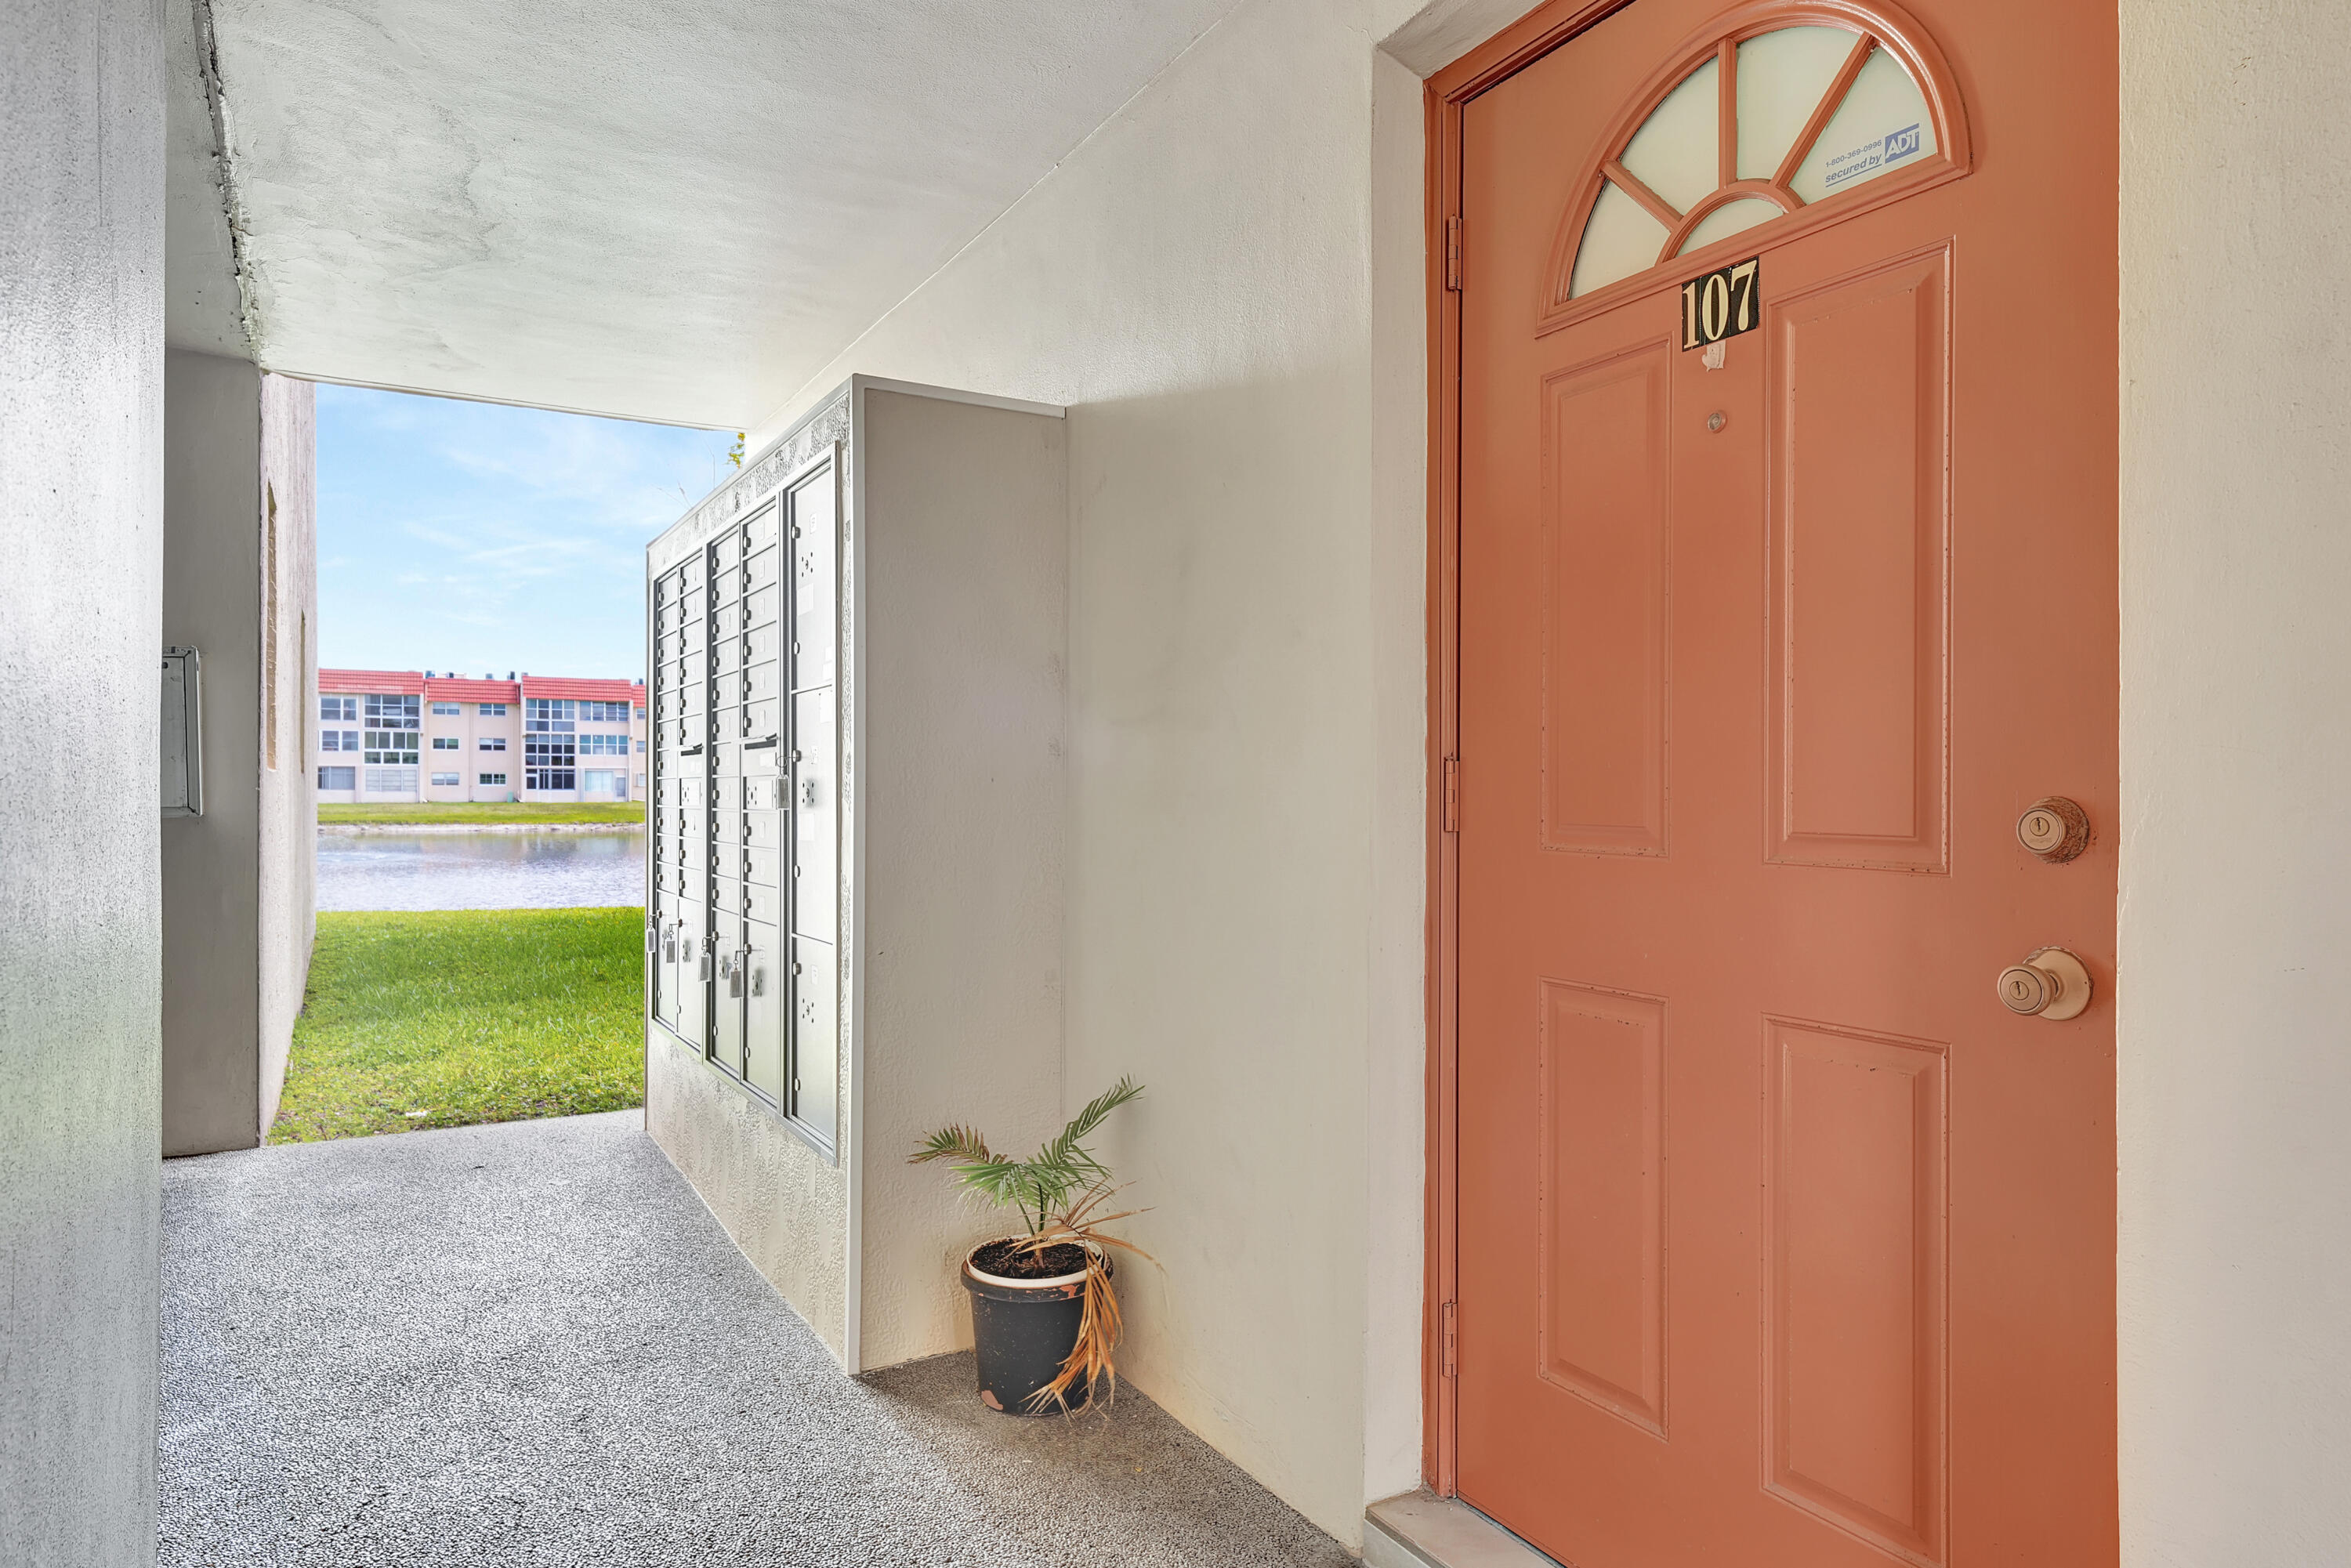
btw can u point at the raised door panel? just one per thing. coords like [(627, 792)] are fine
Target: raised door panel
[(1857, 721), (1856, 1343), (1605, 465), (1603, 1244)]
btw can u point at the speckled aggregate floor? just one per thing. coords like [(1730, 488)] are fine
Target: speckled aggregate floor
[(531, 1345)]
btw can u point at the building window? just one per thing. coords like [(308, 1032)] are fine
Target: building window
[(447, 710), (641, 713), (448, 743), (338, 778), (603, 746), (493, 743), (331, 740), (640, 780), (604, 713), (494, 778), (391, 780), (548, 715), (338, 710), (447, 780), (549, 761), (391, 726), (493, 710), (1766, 126), (641, 748)]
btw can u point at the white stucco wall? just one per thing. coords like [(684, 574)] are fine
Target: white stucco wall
[(784, 1205), (238, 880), (1396, 948), (964, 816), (211, 863), (82, 517), (2234, 1272), (1194, 282), (287, 846)]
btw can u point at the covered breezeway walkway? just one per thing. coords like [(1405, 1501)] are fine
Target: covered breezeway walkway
[(530, 1343)]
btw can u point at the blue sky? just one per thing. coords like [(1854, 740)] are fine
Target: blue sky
[(472, 538)]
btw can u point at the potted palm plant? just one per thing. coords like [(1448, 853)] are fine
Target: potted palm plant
[(1044, 1318)]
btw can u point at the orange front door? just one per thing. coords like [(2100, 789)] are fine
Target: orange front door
[(1782, 1240)]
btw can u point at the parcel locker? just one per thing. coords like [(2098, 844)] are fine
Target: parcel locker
[(861, 644), (735, 852)]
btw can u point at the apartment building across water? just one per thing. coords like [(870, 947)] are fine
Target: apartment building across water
[(409, 735)]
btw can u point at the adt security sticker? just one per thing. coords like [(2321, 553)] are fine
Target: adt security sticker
[(1871, 157)]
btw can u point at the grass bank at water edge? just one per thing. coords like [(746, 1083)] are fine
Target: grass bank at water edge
[(619, 813), (456, 1017)]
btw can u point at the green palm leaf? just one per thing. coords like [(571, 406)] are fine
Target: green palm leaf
[(1044, 1182)]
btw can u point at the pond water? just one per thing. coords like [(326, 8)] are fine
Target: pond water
[(481, 870)]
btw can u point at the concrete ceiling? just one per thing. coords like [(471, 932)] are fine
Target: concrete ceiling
[(676, 211)]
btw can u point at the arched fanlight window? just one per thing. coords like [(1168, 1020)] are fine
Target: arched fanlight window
[(1778, 109)]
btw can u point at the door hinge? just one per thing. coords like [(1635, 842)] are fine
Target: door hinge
[(1453, 794), (1445, 1337), (1453, 254)]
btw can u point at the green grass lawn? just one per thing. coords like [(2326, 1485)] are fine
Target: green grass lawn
[(465, 1016), (619, 812)]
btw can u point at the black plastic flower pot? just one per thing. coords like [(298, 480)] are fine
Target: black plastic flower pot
[(1023, 1330)]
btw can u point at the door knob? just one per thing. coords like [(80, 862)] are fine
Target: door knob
[(2054, 828), (2051, 983)]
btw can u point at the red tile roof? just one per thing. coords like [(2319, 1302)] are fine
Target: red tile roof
[(457, 689), (588, 691), (395, 682)]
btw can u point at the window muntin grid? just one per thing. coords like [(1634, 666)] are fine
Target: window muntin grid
[(390, 736), (1762, 123), (550, 761)]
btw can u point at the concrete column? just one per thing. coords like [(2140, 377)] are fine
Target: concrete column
[(81, 518)]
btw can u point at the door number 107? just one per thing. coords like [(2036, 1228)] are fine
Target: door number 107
[(1721, 305)]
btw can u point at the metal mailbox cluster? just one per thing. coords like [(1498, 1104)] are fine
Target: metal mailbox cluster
[(743, 920)]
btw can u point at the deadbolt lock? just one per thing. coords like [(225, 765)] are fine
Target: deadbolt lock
[(2054, 829), (2051, 984)]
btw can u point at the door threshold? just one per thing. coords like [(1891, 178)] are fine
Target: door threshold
[(1420, 1530)]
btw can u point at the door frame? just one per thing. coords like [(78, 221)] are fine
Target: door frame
[(1444, 98)]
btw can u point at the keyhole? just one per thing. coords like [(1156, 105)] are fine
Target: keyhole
[(1717, 420)]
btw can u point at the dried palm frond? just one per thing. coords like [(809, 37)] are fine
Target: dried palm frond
[(1101, 1324)]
